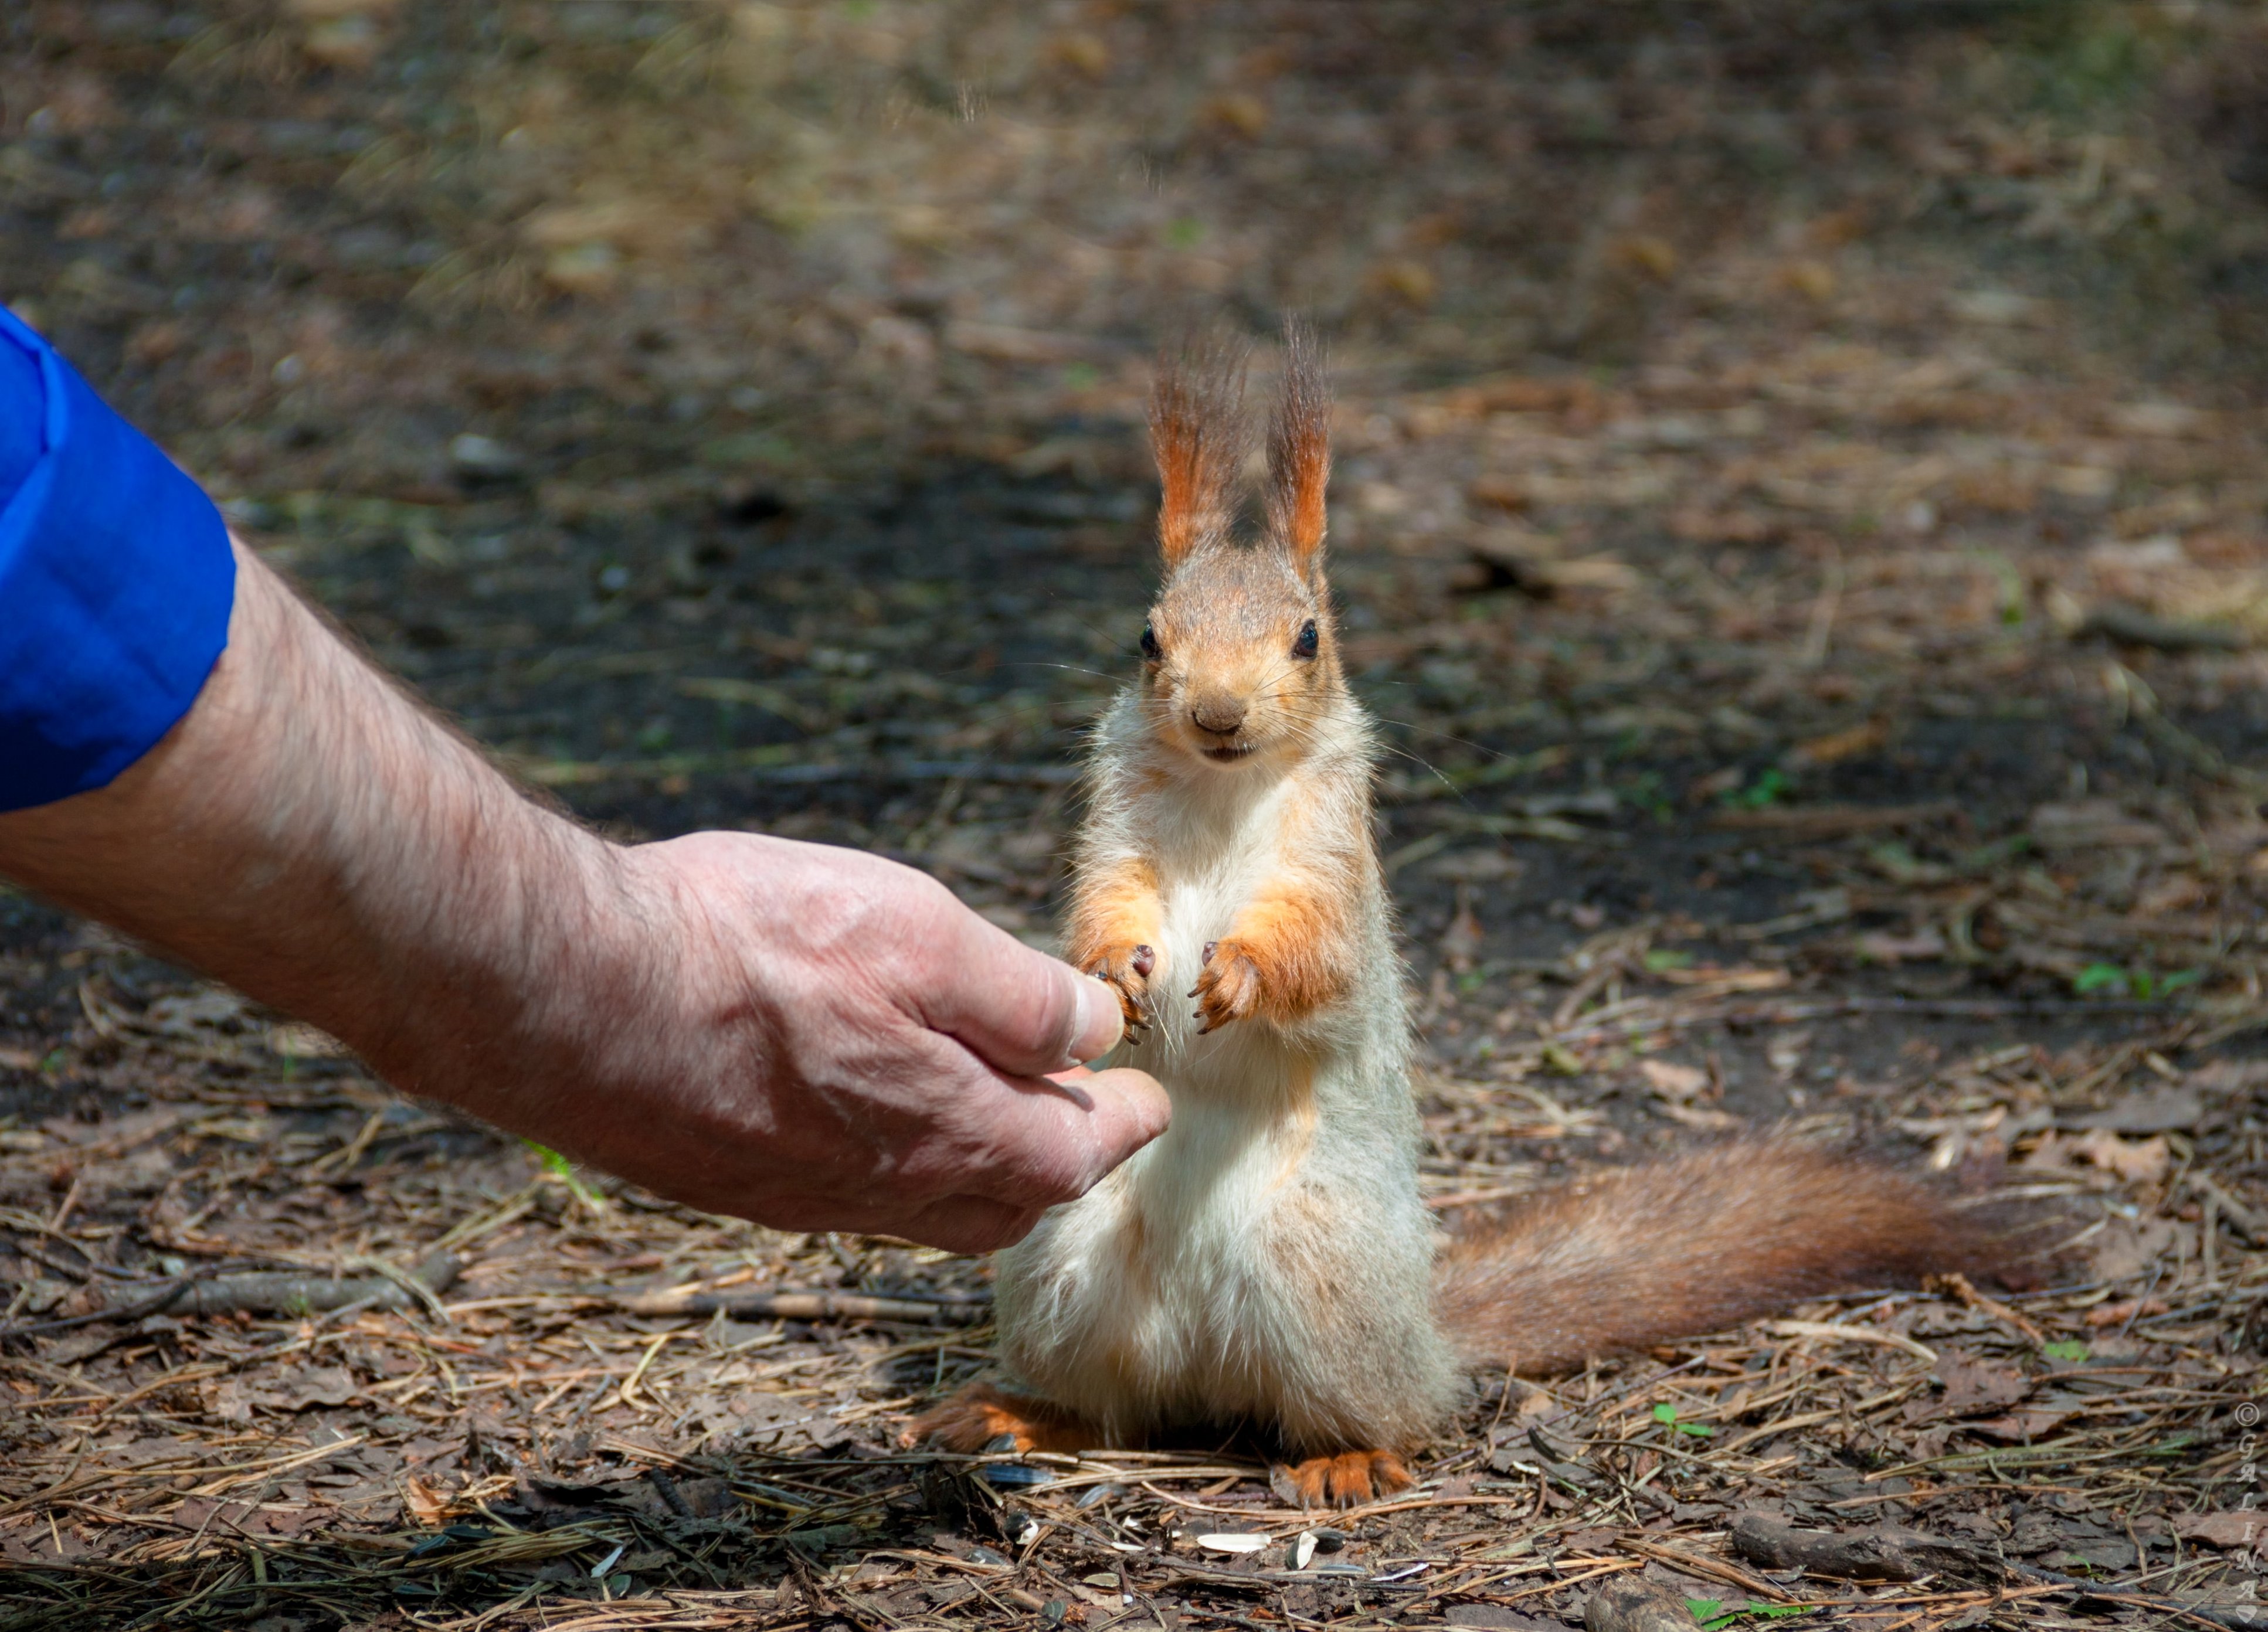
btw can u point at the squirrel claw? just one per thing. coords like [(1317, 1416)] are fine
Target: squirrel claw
[(1228, 988), (1347, 1479), (1126, 971)]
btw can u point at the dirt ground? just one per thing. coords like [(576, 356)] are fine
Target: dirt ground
[(1801, 513)]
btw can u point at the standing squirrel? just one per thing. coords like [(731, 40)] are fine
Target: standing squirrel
[(1268, 1260)]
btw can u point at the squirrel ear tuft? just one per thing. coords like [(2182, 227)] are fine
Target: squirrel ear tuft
[(1300, 450), (1197, 427)]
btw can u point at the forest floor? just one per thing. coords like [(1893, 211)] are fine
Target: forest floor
[(1800, 515)]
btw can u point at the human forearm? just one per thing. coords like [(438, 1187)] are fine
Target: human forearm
[(802, 1035), (308, 834)]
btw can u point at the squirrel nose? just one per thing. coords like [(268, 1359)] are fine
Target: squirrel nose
[(1220, 716)]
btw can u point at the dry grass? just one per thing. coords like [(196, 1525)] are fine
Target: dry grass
[(1822, 645)]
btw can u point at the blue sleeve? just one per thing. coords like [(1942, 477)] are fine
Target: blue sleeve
[(115, 581)]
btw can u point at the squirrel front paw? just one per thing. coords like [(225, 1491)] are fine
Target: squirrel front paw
[(1127, 970), (1229, 986)]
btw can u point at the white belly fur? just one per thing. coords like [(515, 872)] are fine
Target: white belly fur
[(1267, 1257)]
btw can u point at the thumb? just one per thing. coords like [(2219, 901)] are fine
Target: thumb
[(1021, 1011)]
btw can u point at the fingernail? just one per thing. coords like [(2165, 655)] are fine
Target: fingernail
[(1100, 1022)]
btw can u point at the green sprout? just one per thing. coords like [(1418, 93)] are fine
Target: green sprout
[(2113, 979), (1711, 1612), (1769, 787), (564, 1170), (1665, 1415)]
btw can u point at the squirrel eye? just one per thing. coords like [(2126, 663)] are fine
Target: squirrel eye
[(1150, 643), (1306, 645)]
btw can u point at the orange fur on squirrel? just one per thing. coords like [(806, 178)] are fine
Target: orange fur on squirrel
[(1268, 1260)]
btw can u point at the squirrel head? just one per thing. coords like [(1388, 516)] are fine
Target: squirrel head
[(1240, 656)]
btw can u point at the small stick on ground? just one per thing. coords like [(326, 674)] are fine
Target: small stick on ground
[(1957, 1286), (270, 1292)]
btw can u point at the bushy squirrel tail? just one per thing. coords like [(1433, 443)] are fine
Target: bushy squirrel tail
[(1695, 1244)]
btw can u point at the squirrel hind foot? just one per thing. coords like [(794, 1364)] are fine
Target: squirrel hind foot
[(1347, 1479), (976, 1416)]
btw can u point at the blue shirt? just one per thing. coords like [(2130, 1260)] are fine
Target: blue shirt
[(115, 581)]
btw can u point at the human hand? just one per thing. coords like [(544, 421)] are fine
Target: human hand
[(818, 1038), (805, 1036)]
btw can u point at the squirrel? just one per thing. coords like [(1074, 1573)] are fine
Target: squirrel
[(1268, 1259)]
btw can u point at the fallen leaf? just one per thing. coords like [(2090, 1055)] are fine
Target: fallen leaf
[(1643, 252), (426, 1505), (2020, 1426), (1880, 946), (2223, 1530), (2223, 1075), (1978, 1384), (1084, 52), (1409, 280), (2142, 1161), (1497, 1615), (1699, 1116), (1841, 745), (234, 1400), (2130, 1309), (1591, 1541), (41, 1294), (1673, 1081), (1501, 492), (2048, 1152), (1813, 279), (2168, 895), (2123, 1250), (1239, 112)]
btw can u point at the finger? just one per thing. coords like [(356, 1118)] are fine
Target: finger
[(970, 1223), (1023, 1146), (1021, 1011), (1126, 1110), (1048, 1147)]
